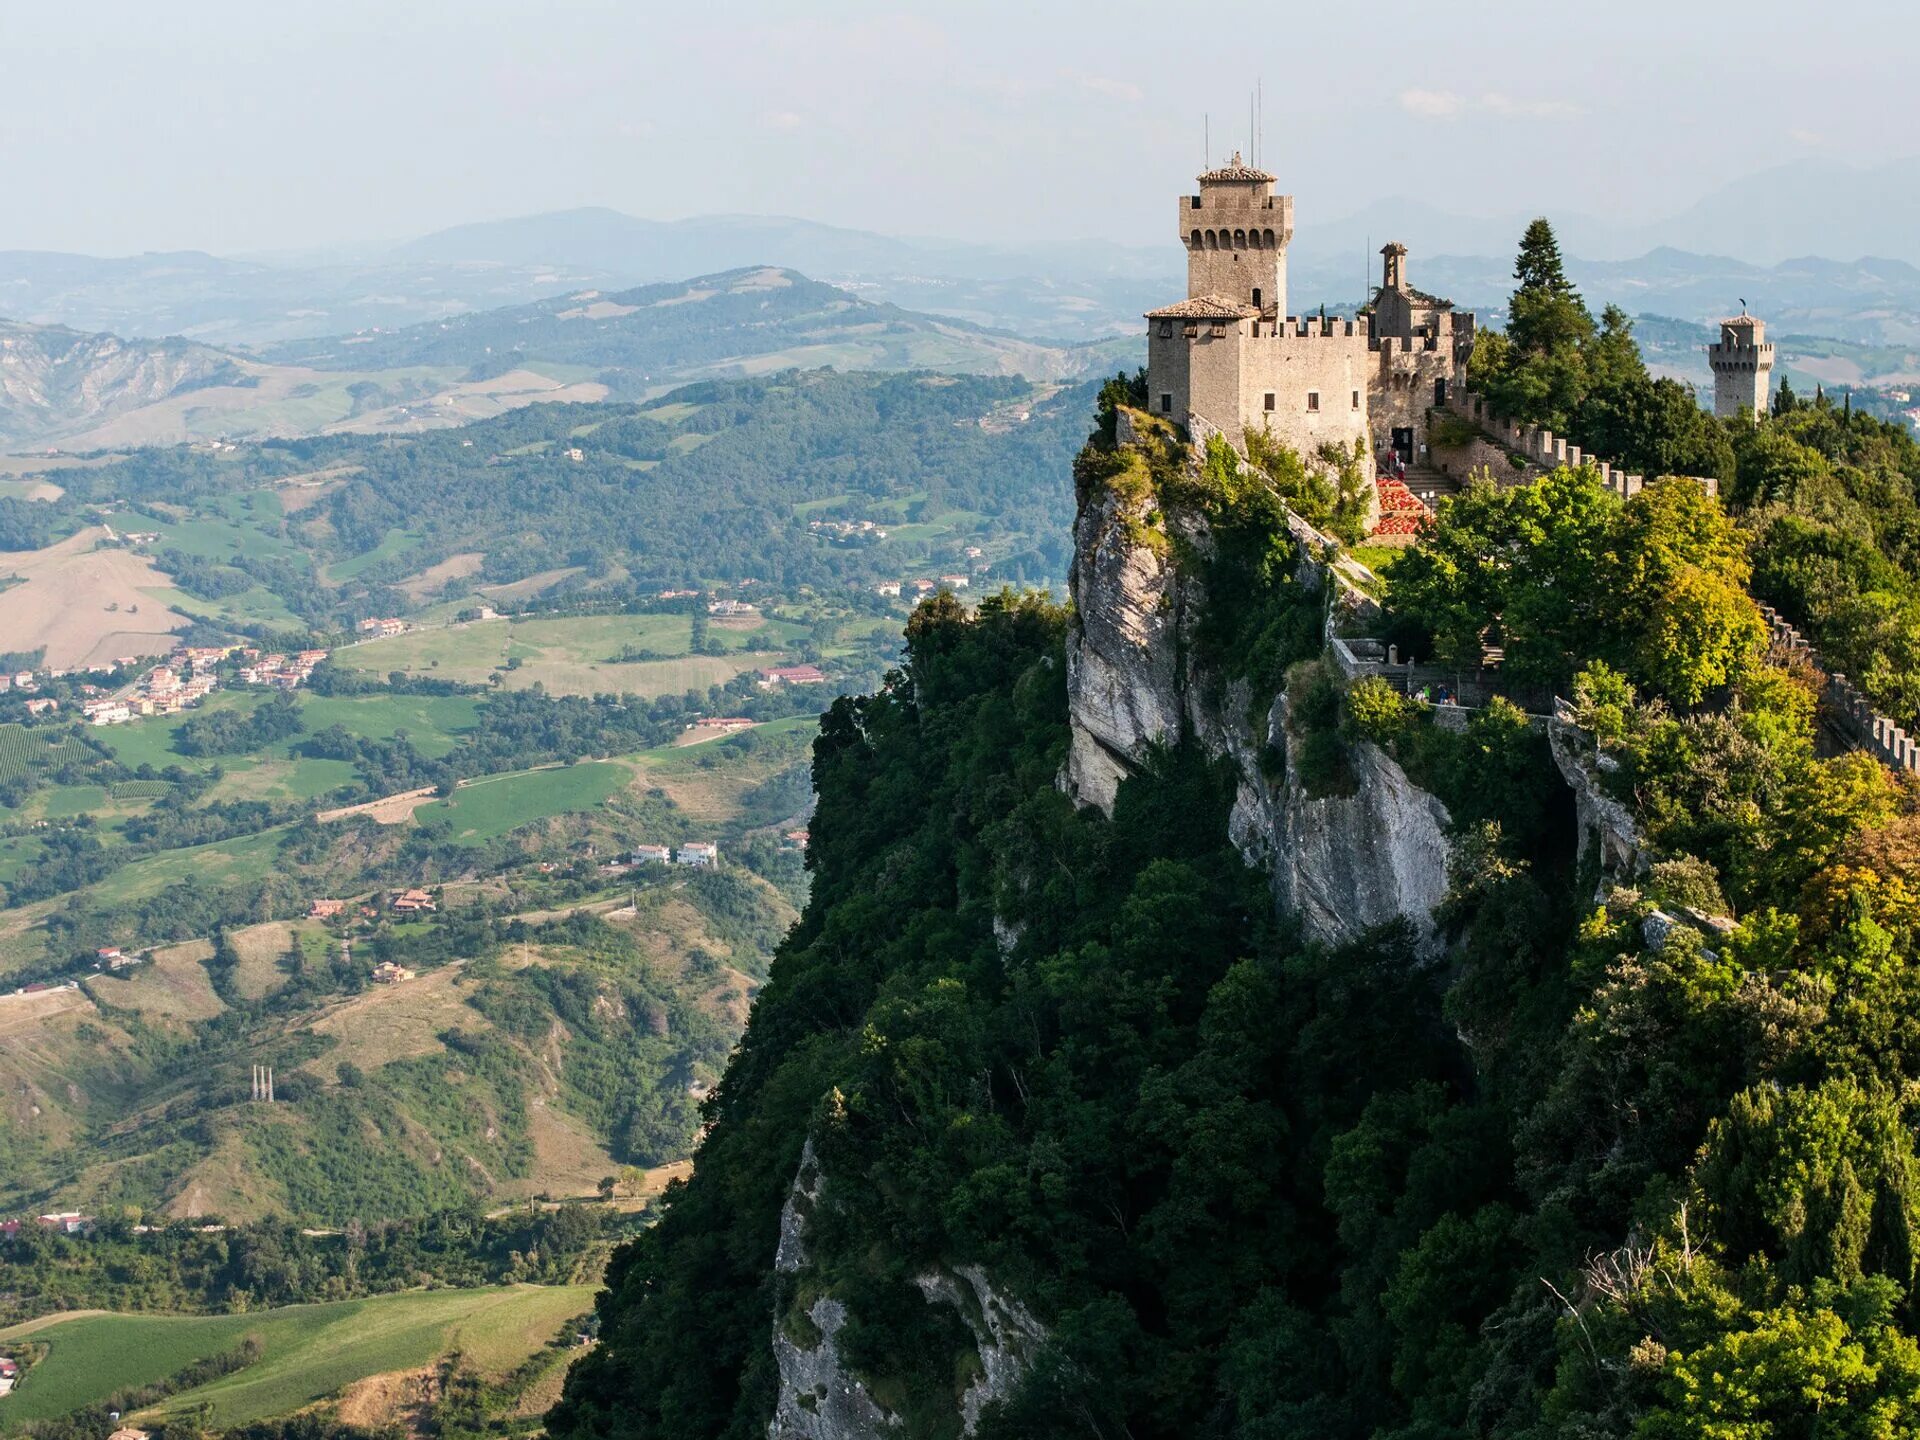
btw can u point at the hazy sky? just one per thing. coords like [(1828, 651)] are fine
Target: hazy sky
[(238, 125)]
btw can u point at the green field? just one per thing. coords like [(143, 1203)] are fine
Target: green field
[(571, 655), (434, 723), (483, 810), (396, 542), (308, 1352)]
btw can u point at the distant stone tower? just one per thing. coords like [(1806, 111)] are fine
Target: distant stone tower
[(1742, 367), (1237, 232)]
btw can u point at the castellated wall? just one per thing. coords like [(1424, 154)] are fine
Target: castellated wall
[(1405, 384), (1539, 450), (1850, 714), (1317, 372)]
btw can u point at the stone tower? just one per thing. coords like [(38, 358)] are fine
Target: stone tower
[(1742, 366), (1236, 231)]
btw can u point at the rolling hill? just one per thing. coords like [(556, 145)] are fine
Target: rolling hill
[(90, 392), (738, 322)]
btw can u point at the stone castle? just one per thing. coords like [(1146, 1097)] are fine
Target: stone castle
[(1231, 356)]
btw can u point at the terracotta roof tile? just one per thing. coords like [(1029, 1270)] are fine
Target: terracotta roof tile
[(1205, 307)]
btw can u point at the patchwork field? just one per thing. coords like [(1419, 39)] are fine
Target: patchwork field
[(574, 655), (307, 1352), (486, 809), (85, 604)]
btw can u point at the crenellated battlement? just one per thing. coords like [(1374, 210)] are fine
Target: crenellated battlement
[(1317, 327), (1540, 448), (1849, 711)]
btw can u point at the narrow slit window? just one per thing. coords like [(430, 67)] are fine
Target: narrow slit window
[(1356, 399), (1313, 400), (1269, 399), (1166, 402)]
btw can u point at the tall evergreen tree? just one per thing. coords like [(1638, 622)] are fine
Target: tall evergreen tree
[(1538, 267)]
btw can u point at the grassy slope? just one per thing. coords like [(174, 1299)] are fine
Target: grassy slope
[(308, 1351)]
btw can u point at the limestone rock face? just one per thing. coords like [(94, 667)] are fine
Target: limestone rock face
[(820, 1399), (1604, 822), (1005, 1335), (1121, 668), (1344, 863)]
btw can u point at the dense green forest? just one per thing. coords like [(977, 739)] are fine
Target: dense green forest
[(713, 483), (1826, 495), (1597, 1172), (204, 1267)]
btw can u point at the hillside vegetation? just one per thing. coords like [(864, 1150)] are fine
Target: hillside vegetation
[(1633, 1158)]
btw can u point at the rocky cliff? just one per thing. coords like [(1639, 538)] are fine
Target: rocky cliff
[(1343, 862), (56, 382), (820, 1396)]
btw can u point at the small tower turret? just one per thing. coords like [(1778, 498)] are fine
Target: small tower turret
[(1742, 364), (1236, 231)]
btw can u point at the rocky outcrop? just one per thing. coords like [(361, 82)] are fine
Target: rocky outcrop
[(1343, 863), (1347, 862), (819, 1397), (56, 382), (1122, 670), (1005, 1335), (1607, 827)]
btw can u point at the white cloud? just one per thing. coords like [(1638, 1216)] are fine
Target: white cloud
[(785, 119), (1801, 136), (1113, 89), (1434, 104), (1447, 105)]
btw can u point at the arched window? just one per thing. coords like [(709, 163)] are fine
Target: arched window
[(1239, 239), (1213, 242), (1194, 240), (1253, 239), (1270, 244)]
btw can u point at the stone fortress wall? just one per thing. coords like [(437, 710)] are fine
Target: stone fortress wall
[(1538, 449), (1855, 721)]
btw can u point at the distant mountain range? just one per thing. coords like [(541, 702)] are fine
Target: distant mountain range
[(1736, 243), (583, 300)]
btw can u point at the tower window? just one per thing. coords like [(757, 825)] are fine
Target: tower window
[(1313, 400), (1269, 399), (1166, 329), (1256, 297), (1166, 402), (1356, 399)]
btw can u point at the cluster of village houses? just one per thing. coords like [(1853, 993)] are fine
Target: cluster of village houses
[(179, 682), (922, 586), (697, 853), (383, 628)]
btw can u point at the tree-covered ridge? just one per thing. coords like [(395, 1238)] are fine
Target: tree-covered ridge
[(713, 483), (1604, 1170), (633, 337)]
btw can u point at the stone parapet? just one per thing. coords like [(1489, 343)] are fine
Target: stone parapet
[(1540, 448), (1850, 713)]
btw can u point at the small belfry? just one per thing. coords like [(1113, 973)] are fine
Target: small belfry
[(1742, 361), (1229, 357)]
